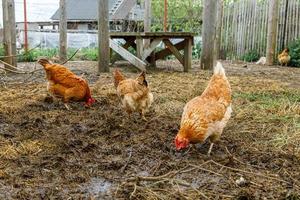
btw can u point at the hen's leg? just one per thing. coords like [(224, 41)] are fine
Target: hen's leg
[(50, 97), (143, 115), (210, 148), (66, 101), (213, 139), (67, 106)]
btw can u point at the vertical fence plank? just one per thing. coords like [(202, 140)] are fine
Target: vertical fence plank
[(297, 19), (245, 26)]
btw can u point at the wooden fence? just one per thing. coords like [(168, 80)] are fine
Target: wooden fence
[(244, 26)]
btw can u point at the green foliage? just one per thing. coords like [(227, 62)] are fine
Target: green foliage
[(251, 56), (294, 52), (33, 55), (89, 54), (1, 50), (196, 50), (182, 15)]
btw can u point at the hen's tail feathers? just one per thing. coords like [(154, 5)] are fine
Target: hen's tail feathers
[(44, 62), (118, 77), (219, 69), (142, 79)]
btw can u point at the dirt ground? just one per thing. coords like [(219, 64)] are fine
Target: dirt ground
[(47, 152)]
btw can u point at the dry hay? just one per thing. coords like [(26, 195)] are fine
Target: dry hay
[(48, 152)]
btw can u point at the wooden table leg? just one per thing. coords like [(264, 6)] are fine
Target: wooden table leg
[(129, 43), (138, 63), (152, 60), (187, 54), (139, 47)]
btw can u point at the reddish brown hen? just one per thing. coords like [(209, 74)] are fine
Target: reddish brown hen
[(206, 116), (284, 58), (64, 84), (135, 94)]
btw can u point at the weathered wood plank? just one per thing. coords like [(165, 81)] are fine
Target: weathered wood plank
[(129, 43), (151, 48), (272, 31), (208, 34), (152, 34), (166, 52), (139, 47), (9, 32), (138, 63), (103, 36), (218, 29), (63, 31), (174, 50), (147, 20), (188, 55), (152, 60)]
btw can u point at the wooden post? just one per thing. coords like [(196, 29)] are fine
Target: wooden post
[(25, 27), (9, 32), (103, 37), (165, 15), (285, 24), (62, 31), (152, 60), (188, 54), (147, 21), (147, 16), (139, 47), (272, 31), (218, 28), (208, 34)]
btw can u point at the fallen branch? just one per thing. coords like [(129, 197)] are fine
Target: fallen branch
[(11, 70), (247, 172), (70, 57), (133, 192), (156, 178), (126, 164), (206, 170), (15, 69)]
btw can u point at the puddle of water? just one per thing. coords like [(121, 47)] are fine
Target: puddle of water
[(98, 187)]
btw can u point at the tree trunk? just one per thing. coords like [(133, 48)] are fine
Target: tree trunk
[(103, 37), (272, 31), (208, 34), (63, 31)]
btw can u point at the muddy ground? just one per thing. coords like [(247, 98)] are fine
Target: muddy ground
[(47, 152)]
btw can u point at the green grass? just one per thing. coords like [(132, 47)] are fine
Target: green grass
[(33, 55), (83, 54), (276, 110), (88, 54)]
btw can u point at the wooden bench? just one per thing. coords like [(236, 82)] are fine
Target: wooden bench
[(146, 43)]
